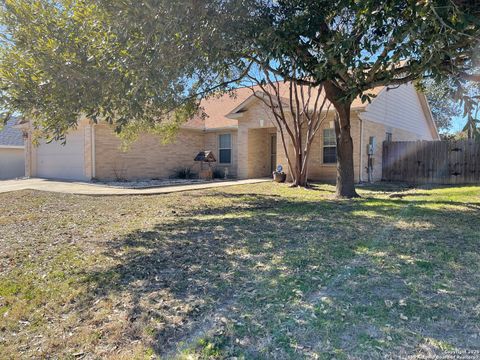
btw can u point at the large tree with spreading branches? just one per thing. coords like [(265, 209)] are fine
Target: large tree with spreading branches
[(145, 65)]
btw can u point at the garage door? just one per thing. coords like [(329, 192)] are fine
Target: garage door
[(57, 161), (12, 163)]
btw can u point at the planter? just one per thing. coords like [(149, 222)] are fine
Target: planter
[(279, 177)]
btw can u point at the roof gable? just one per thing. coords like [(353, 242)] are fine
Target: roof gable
[(404, 108)]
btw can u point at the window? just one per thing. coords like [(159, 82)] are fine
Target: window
[(329, 146), (388, 137), (225, 148)]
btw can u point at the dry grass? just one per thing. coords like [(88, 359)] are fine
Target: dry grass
[(257, 271)]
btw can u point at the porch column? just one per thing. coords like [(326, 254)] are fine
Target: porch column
[(27, 153), (242, 151), (88, 156)]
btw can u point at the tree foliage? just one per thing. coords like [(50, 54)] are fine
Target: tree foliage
[(352, 46), (451, 98), (131, 64), (445, 107)]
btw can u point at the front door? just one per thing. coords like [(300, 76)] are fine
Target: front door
[(273, 153)]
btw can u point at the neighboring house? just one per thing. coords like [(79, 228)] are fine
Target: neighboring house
[(241, 134), (12, 157)]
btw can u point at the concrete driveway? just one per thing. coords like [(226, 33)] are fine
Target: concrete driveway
[(84, 188)]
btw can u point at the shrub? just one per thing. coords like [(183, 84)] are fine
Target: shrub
[(184, 173), (218, 173)]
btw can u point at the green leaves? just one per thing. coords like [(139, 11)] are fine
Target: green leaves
[(115, 62)]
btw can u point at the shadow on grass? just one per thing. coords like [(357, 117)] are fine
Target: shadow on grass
[(265, 275)]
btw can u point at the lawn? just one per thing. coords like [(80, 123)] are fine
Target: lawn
[(256, 272)]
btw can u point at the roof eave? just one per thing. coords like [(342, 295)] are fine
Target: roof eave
[(12, 146), (428, 114), (224, 128)]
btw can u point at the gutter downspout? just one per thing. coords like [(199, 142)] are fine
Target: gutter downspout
[(93, 151), (361, 148)]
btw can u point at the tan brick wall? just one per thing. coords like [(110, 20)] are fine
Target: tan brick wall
[(260, 152), (251, 141), (242, 151), (254, 136), (251, 157), (379, 131), (281, 157), (211, 143), (147, 157), (318, 171), (254, 151)]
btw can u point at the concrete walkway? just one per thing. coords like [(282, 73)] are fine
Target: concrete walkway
[(84, 188)]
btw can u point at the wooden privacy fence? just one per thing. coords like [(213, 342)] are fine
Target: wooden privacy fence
[(431, 162)]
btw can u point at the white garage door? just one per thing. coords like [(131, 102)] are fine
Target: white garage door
[(12, 163), (57, 161)]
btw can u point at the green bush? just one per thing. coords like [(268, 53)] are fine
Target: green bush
[(185, 173), (218, 173)]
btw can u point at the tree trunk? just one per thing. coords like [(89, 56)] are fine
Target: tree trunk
[(345, 168), (299, 176)]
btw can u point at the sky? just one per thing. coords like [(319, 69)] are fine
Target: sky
[(457, 124)]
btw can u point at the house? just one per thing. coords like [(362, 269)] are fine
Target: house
[(12, 158), (240, 132)]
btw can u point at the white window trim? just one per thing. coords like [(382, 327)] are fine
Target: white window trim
[(231, 150), (324, 146)]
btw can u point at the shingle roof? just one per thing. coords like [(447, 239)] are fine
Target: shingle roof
[(216, 108), (10, 136)]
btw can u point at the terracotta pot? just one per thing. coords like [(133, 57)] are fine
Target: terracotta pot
[(279, 177)]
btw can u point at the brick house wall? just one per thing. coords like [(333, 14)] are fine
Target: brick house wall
[(146, 158), (211, 142), (371, 128), (255, 128)]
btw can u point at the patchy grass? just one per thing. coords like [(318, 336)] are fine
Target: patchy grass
[(256, 272)]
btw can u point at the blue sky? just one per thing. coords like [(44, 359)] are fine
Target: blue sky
[(458, 124)]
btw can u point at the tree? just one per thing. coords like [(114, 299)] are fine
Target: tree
[(454, 97), (298, 112), (351, 47), (471, 108), (146, 64), (136, 65), (442, 103)]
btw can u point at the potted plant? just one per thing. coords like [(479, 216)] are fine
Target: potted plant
[(278, 175)]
